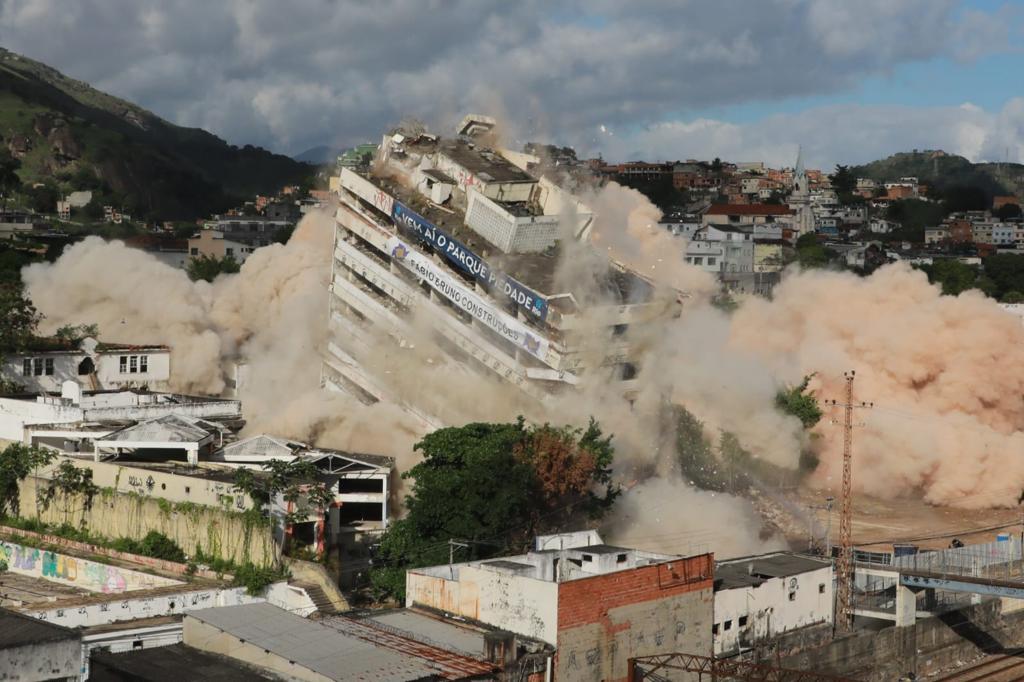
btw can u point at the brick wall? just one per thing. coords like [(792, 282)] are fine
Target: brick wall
[(605, 620)]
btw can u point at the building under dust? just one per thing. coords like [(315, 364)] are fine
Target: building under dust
[(459, 238)]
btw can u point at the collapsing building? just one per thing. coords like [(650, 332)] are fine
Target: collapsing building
[(453, 233)]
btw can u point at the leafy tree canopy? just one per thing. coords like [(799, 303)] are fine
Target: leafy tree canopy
[(17, 461), (18, 318), (493, 487), (798, 402), (953, 276), (209, 267)]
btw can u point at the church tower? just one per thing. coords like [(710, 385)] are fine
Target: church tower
[(800, 199)]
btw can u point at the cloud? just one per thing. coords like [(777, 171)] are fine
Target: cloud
[(292, 75), (835, 134)]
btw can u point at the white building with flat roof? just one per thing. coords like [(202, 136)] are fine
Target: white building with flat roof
[(758, 598)]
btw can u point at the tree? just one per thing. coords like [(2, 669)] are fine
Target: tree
[(965, 198), (44, 198), (843, 180), (17, 461), (953, 276), (73, 333), (71, 484), (811, 254), (295, 482), (1008, 211), (913, 215), (796, 401), (1007, 272), (9, 180), (1012, 297), (492, 487), (18, 318), (569, 464), (209, 267)]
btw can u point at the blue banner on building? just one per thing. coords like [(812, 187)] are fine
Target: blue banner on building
[(463, 258)]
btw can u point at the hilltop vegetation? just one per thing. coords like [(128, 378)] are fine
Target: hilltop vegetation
[(70, 136), (948, 175)]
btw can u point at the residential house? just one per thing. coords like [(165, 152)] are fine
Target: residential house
[(47, 363), (252, 230), (936, 235), (214, 244), (882, 226), (746, 214)]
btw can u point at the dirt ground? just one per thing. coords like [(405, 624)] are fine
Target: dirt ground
[(878, 523)]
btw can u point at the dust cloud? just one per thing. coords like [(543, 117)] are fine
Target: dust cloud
[(944, 373), (271, 316)]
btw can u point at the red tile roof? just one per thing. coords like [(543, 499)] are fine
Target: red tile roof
[(749, 209)]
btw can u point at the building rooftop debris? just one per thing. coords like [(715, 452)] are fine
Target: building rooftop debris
[(572, 557), (170, 664), (486, 164), (433, 629), (754, 570), (18, 630), (171, 428), (339, 648), (535, 270), (87, 344), (264, 447), (17, 590)]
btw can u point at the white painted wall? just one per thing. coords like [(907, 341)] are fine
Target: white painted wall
[(65, 367), (526, 606), (769, 609), (132, 608)]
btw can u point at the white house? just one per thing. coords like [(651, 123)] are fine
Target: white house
[(99, 366), (758, 598), (722, 248), (882, 226)]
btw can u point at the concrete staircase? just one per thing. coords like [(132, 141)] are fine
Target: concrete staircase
[(320, 599)]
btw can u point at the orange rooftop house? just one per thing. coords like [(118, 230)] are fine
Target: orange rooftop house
[(747, 214)]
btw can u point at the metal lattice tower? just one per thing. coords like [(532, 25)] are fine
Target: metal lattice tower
[(844, 567)]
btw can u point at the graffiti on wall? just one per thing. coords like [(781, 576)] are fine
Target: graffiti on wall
[(82, 573)]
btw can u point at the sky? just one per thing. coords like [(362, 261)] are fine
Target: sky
[(742, 80)]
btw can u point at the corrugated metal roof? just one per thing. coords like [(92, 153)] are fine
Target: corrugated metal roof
[(322, 649), (171, 428), (265, 446), (433, 630), (754, 570), (262, 447)]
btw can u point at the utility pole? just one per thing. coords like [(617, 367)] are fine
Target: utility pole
[(828, 528), (452, 544), (844, 578)]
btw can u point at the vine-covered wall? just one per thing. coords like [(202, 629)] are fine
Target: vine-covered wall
[(215, 532)]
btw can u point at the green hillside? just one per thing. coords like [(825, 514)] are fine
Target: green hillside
[(65, 132), (943, 172)]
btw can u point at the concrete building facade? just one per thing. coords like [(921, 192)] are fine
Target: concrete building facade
[(598, 605), (96, 365), (760, 597)]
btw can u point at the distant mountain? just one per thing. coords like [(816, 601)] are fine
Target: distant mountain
[(66, 132), (319, 155), (944, 171)]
